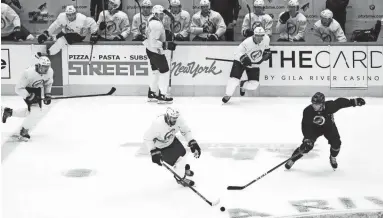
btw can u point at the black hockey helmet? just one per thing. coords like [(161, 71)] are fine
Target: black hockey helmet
[(318, 98)]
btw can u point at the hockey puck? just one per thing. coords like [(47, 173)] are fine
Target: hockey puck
[(222, 209)]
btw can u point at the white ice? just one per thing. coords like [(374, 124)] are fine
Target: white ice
[(103, 134)]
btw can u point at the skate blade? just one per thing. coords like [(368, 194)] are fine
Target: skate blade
[(165, 102), (152, 100)]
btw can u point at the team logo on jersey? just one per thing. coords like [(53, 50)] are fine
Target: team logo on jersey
[(168, 136), (37, 83), (176, 26), (110, 27), (210, 26), (326, 37), (68, 29), (256, 24), (255, 54), (142, 27), (291, 27)]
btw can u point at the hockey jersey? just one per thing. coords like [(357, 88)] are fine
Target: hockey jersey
[(181, 23), (214, 20), (136, 24), (264, 21), (332, 33), (253, 50), (116, 24), (161, 135), (9, 20), (294, 28), (155, 33), (82, 25), (32, 79)]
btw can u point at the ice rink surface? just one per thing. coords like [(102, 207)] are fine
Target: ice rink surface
[(240, 141)]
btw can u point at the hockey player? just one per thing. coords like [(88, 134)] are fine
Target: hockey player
[(258, 18), (11, 26), (74, 28), (155, 45), (163, 144), (251, 52), (207, 25), (181, 26), (35, 82), (115, 23), (318, 120), (327, 29), (292, 24), (138, 28)]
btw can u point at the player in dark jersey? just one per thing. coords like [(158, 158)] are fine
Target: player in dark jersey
[(318, 120)]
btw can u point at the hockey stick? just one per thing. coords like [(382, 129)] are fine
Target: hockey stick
[(91, 54), (193, 189), (248, 184), (171, 52), (103, 13), (248, 8), (228, 60), (84, 96), (139, 8)]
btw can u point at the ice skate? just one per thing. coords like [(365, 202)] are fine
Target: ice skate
[(188, 172), (184, 181), (162, 99), (24, 135), (6, 113), (289, 164), (226, 99), (152, 97), (333, 162), (241, 89)]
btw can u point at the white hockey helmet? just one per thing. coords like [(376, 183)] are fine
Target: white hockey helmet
[(171, 116), (259, 3), (204, 3), (175, 2), (44, 61), (157, 9), (146, 3), (115, 2), (293, 3), (326, 13), (70, 9), (259, 31)]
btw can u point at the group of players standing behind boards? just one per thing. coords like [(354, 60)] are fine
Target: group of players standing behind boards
[(36, 83)]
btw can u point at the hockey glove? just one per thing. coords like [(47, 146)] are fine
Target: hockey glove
[(31, 99), (94, 38), (212, 37), (118, 38), (357, 102), (169, 46), (47, 98), (17, 35), (156, 156), (102, 26), (245, 60), (180, 37), (43, 37), (248, 33), (284, 17), (266, 55), (319, 120), (194, 147), (139, 37), (308, 144)]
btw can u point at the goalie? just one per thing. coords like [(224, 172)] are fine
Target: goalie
[(250, 53)]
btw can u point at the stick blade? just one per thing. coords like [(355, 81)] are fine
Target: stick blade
[(235, 187), (112, 91)]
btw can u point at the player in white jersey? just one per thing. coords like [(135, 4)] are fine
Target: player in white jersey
[(155, 45), (35, 82), (292, 24), (258, 18), (163, 144), (141, 20), (74, 28), (249, 54), (327, 29), (181, 26), (207, 25), (11, 26), (116, 23)]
